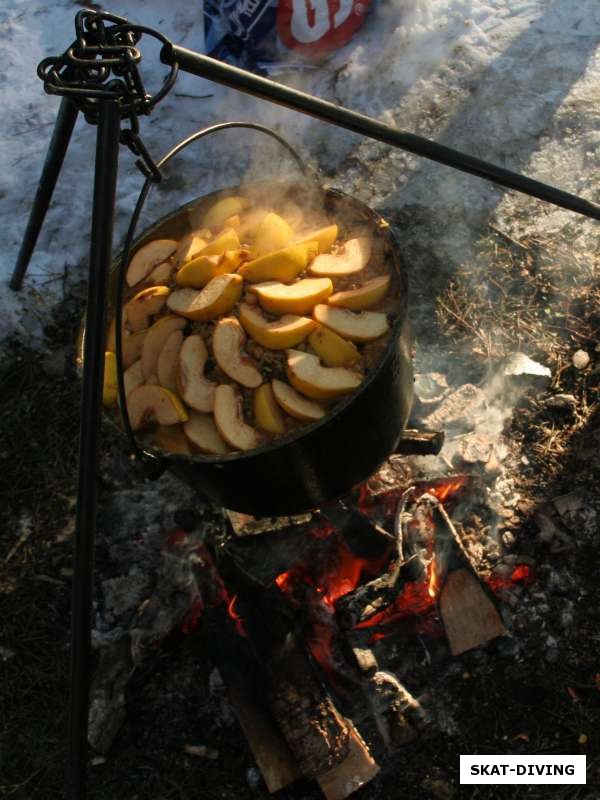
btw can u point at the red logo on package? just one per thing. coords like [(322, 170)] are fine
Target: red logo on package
[(317, 27)]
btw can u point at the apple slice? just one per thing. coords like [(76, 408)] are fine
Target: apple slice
[(267, 412), (133, 377), (273, 233), (227, 343), (231, 260), (307, 375), (110, 385), (171, 439), (161, 274), (361, 327), (282, 265), (168, 361), (226, 240), (218, 213), (196, 390), (189, 247), (232, 222), (218, 297), (286, 332), (332, 349), (132, 345), (148, 257), (295, 404), (148, 404), (144, 305), (349, 259), (155, 340), (229, 420), (366, 296), (249, 222), (325, 238), (202, 432), (299, 298), (199, 271)]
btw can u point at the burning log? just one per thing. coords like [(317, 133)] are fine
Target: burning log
[(469, 616), (420, 443), (357, 769), (364, 602)]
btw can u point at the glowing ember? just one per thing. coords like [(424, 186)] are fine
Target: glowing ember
[(434, 584), (522, 574), (239, 622)]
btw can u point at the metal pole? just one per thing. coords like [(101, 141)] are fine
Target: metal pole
[(63, 128), (105, 182), (244, 81)]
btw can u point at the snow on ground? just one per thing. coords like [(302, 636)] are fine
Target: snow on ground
[(517, 83)]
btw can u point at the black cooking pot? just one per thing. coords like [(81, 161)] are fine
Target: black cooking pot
[(324, 460)]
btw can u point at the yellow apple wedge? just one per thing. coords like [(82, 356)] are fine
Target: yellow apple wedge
[(149, 404), (299, 298), (232, 222), (196, 390), (110, 385), (226, 240), (332, 349), (171, 439), (249, 222), (199, 271), (366, 296), (144, 305), (232, 259), (311, 378), (286, 332), (229, 419), (132, 345), (272, 233), (133, 377), (155, 340), (218, 213), (168, 361), (281, 265), (218, 297), (362, 327), (349, 259), (161, 274), (267, 413), (203, 435), (295, 404), (148, 257), (188, 248), (324, 237), (228, 349)]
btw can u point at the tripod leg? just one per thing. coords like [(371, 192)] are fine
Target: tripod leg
[(105, 182), (63, 128)]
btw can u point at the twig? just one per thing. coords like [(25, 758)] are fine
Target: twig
[(509, 238)]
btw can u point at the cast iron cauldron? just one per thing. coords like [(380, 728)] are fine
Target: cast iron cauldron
[(324, 460)]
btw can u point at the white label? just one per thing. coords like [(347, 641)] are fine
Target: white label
[(522, 769)]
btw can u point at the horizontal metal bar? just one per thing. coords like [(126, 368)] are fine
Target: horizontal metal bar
[(244, 81)]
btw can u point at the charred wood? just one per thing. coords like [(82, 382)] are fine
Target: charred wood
[(420, 443)]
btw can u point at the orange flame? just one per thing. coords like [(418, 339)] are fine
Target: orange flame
[(239, 622)]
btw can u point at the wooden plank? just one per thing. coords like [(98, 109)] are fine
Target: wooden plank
[(357, 769), (469, 616)]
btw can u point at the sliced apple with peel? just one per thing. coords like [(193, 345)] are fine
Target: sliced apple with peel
[(204, 436), (222, 209), (352, 257), (171, 439), (133, 377), (161, 274), (228, 349), (132, 346), (231, 260), (311, 378), (325, 238), (144, 305), (332, 349), (199, 271), (196, 390), (229, 419), (168, 361), (358, 327), (267, 412), (149, 404), (110, 384), (226, 240), (366, 296), (188, 248), (298, 298), (155, 340), (295, 404), (272, 233), (218, 297), (281, 265), (286, 332), (148, 257)]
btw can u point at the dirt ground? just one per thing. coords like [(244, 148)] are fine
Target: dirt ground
[(538, 693)]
